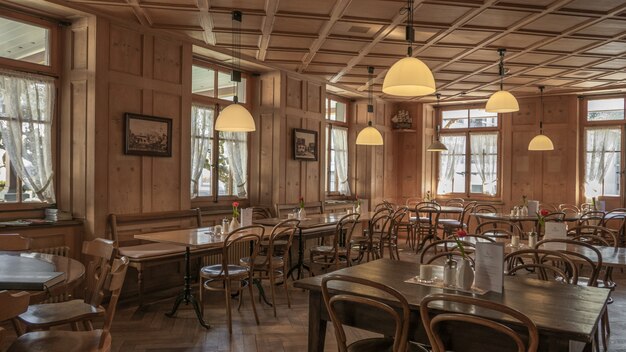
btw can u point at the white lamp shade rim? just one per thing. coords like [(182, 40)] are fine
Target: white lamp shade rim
[(235, 118), (437, 146), (540, 142), (409, 77), (369, 136), (502, 102)]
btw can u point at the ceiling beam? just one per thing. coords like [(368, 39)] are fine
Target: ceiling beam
[(338, 11), (271, 7), (139, 12), (206, 21)]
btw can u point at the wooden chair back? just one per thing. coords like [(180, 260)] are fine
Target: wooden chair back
[(590, 232), (282, 233), (437, 251), (478, 209), (616, 220), (260, 212), (549, 207), (247, 234), (588, 256), (344, 229), (376, 224), (466, 304), (455, 202), (14, 242), (412, 201), (468, 209), (12, 305), (311, 208), (101, 252), (384, 204), (114, 283), (540, 259), (569, 208), (499, 228), (124, 226), (429, 210), (400, 316), (557, 216), (585, 207), (591, 217)]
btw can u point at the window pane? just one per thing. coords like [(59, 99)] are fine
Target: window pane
[(24, 42), (233, 164), (454, 119), (226, 88), (337, 111), (481, 118), (602, 162), (203, 81), (201, 150), (452, 166), (484, 159), (605, 109)]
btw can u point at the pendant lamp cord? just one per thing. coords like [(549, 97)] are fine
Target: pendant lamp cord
[(370, 95), (541, 115), (410, 35), (438, 95), (236, 52), (501, 67)]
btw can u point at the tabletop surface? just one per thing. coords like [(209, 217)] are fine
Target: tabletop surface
[(570, 310), (194, 238), (444, 209), (533, 217), (314, 220), (24, 262)]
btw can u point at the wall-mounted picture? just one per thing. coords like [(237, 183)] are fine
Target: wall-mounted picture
[(147, 135), (304, 144)]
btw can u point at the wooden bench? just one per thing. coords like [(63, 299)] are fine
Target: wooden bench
[(146, 254)]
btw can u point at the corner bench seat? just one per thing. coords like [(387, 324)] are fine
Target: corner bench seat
[(151, 250)]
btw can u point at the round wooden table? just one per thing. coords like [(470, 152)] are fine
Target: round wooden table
[(21, 262)]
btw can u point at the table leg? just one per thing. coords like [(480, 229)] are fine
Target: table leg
[(300, 264), (186, 295), (317, 325)]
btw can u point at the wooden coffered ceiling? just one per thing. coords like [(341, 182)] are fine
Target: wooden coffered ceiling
[(566, 45)]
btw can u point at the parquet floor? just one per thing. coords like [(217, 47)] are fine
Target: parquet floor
[(150, 330)]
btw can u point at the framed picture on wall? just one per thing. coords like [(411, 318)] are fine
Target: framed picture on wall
[(305, 144), (147, 135)]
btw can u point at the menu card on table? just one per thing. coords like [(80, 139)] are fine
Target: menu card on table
[(489, 265), (246, 217), (555, 230), (533, 207)]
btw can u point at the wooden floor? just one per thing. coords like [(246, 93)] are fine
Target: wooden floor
[(149, 329)]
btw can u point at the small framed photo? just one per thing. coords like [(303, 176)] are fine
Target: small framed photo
[(147, 135), (305, 144)]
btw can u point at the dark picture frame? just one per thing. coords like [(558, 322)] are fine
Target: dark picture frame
[(305, 144), (147, 135)]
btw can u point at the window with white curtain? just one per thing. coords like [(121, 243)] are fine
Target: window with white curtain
[(603, 147), (470, 165), (337, 174), (219, 160)]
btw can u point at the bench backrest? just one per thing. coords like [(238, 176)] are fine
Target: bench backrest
[(124, 226), (311, 208)]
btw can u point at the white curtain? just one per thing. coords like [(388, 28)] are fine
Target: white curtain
[(603, 149), (201, 132), (485, 158), (449, 160), (235, 147), (339, 138), (26, 110)]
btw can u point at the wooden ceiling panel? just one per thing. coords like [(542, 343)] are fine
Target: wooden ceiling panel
[(532, 58), (374, 9), (447, 76), (583, 74), (483, 55), (613, 64), (189, 4), (575, 61), (319, 7), (237, 4), (122, 12), (398, 48), (466, 37), (422, 34), (482, 78), (378, 61), (342, 45), (567, 44), (554, 23), (247, 40), (620, 76), (493, 18), (437, 13), (463, 67), (555, 82), (614, 48), (360, 30), (323, 68), (463, 86), (297, 25), (606, 28), (595, 6), (514, 40), (333, 58), (545, 72), (440, 52), (281, 41), (520, 80), (291, 56), (224, 20), (161, 17), (589, 84)]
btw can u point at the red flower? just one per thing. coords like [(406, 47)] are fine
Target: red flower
[(544, 212), (461, 233), (236, 204)]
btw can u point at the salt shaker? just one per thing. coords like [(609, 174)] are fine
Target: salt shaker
[(532, 239), (225, 225), (449, 272), (515, 241)]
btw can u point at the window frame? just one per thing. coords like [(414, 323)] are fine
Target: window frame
[(218, 105), (467, 132), (586, 125), (53, 70), (328, 126)]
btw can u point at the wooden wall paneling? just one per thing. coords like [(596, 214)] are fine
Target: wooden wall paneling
[(527, 114), (555, 177), (312, 185), (556, 110), (266, 166), (524, 168), (185, 126), (125, 54), (167, 60), (315, 96), (428, 172), (294, 93), (292, 170)]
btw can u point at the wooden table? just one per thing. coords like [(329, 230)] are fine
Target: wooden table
[(561, 312), (314, 225), (190, 238), (20, 262)]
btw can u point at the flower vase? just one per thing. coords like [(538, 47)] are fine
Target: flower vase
[(357, 209), (465, 275), (234, 225), (301, 214)]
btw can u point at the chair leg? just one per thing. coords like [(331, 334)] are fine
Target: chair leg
[(256, 316), (88, 325), (140, 285), (19, 328), (286, 287), (228, 312), (201, 296), (273, 289), (75, 326)]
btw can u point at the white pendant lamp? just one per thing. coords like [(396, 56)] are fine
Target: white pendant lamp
[(502, 101), (370, 135), (541, 142), (436, 145), (409, 77), (235, 117)]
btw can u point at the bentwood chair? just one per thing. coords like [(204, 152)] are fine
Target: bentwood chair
[(480, 209), (73, 312), (389, 239), (14, 242), (499, 229), (427, 223), (591, 217), (616, 219), (273, 265), (368, 245), (399, 314), (229, 278), (436, 252), (433, 322), (449, 225), (339, 251), (79, 341), (542, 264), (11, 305)]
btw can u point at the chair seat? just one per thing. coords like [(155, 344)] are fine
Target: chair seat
[(359, 240), (380, 344), (261, 262), (150, 250), (422, 219), (216, 270), (327, 250), (59, 313), (58, 340)]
